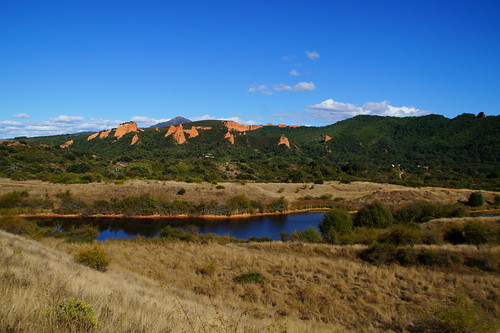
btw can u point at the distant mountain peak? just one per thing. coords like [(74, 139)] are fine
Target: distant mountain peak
[(172, 122)]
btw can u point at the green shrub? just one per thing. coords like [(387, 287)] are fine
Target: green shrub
[(74, 314), (220, 187), (379, 254), (175, 233), (181, 191), (476, 232), (326, 196), (94, 257), (13, 199), (375, 215), (475, 199), (83, 234), (253, 277), (278, 205), (207, 269), (335, 220), (402, 235), (461, 316), (310, 235), (17, 225), (454, 234)]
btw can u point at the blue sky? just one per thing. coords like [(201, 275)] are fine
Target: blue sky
[(70, 66)]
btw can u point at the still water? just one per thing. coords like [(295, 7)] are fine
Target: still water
[(263, 226)]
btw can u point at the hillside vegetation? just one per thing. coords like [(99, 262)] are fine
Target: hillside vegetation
[(463, 152)]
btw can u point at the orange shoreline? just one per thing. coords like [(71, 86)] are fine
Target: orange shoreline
[(179, 216), (205, 217)]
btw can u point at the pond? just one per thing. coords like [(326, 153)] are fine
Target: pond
[(261, 226)]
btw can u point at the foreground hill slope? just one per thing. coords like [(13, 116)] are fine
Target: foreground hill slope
[(172, 286)]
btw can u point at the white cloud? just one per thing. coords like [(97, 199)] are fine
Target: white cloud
[(259, 88), (66, 119), (146, 121), (313, 55), (330, 110), (236, 119), (299, 87), (21, 115), (10, 122), (293, 72)]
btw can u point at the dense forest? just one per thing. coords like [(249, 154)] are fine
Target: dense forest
[(462, 152)]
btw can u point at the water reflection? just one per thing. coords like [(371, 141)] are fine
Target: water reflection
[(264, 226)]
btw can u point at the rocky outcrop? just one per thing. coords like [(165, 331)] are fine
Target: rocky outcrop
[(193, 132), (179, 132), (284, 141), (104, 134), (230, 137), (179, 136), (66, 144), (134, 140), (326, 138), (234, 126), (93, 136), (481, 115), (125, 128)]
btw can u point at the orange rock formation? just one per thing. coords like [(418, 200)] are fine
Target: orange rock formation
[(66, 144), (125, 128), (234, 126), (326, 138), (193, 132), (230, 137), (284, 141), (92, 136), (179, 136), (104, 134), (134, 140)]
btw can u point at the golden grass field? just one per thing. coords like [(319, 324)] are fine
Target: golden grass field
[(173, 286), (355, 193), (162, 285)]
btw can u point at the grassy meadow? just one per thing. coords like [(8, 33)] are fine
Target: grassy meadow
[(417, 274)]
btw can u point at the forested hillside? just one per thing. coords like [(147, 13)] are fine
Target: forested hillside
[(416, 151)]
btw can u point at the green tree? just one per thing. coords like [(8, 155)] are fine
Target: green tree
[(335, 220), (375, 215), (475, 199)]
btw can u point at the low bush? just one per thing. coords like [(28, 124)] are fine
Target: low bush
[(374, 215), (94, 257), (253, 277), (310, 235), (17, 225), (475, 199), (402, 235), (74, 315), (335, 220), (83, 234), (461, 316)]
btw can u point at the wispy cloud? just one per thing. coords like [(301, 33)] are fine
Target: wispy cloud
[(313, 55), (236, 119), (21, 115), (66, 119), (299, 87), (289, 58), (259, 88), (293, 72), (143, 121), (62, 124), (330, 110)]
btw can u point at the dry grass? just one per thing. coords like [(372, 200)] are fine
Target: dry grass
[(356, 193), (307, 287)]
